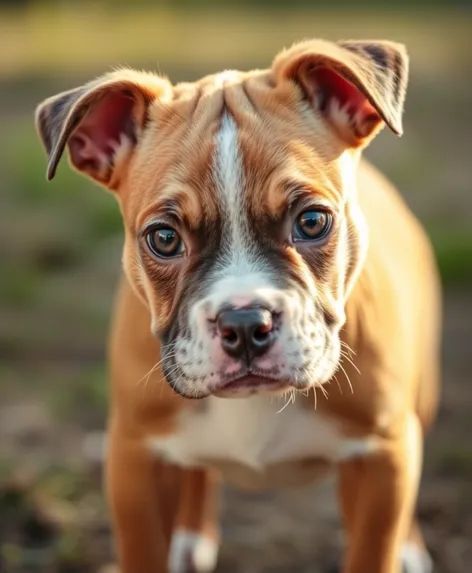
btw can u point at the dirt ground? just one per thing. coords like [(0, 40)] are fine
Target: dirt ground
[(59, 520)]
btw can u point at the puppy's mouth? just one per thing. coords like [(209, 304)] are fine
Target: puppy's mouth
[(248, 383)]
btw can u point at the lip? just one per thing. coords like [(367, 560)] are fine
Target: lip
[(250, 384)]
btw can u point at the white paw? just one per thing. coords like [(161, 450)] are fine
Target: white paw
[(192, 553), (415, 559)]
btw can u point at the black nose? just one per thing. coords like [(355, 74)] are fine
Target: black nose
[(246, 332)]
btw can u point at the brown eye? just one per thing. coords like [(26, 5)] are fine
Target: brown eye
[(312, 225), (165, 242)]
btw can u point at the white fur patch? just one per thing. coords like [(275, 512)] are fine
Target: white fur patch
[(239, 258), (343, 117), (192, 552), (415, 559), (242, 291), (256, 432), (121, 148)]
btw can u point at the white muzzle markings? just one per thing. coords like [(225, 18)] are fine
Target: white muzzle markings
[(304, 352)]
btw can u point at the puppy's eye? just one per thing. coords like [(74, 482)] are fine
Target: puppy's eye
[(165, 242), (312, 225)]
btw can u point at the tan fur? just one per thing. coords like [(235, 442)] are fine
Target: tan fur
[(388, 290)]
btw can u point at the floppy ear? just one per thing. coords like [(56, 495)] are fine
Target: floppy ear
[(100, 123), (358, 86)]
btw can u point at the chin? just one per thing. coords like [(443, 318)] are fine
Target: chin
[(251, 385)]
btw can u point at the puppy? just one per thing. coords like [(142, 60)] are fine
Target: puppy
[(262, 258)]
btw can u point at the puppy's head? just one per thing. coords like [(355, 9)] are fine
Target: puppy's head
[(242, 231)]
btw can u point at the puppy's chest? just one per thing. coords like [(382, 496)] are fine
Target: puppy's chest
[(256, 433)]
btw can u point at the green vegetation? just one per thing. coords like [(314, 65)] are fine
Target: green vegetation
[(454, 254), (87, 404)]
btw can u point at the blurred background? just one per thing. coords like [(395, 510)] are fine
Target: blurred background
[(60, 257)]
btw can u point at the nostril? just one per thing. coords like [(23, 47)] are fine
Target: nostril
[(246, 332), (230, 336), (263, 330), (262, 333)]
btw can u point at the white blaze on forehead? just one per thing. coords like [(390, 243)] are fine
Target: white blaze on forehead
[(239, 257), (241, 275)]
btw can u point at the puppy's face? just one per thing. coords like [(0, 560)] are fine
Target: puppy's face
[(243, 234)]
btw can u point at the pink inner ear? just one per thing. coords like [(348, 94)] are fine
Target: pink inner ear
[(93, 144), (348, 96)]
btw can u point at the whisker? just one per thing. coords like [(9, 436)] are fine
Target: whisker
[(337, 382), (346, 345), (145, 379), (159, 362), (289, 401), (174, 368), (149, 374), (325, 392), (344, 355), (173, 384), (347, 378)]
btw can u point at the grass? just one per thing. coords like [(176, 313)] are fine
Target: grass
[(455, 460), (453, 254), (87, 403), (19, 286)]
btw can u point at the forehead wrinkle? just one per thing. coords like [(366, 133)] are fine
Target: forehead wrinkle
[(201, 126), (286, 190), (156, 155), (193, 156), (177, 165), (309, 174), (191, 180), (183, 203), (279, 155), (238, 102)]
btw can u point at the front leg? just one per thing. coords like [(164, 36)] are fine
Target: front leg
[(165, 518), (195, 537), (143, 496), (378, 495)]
